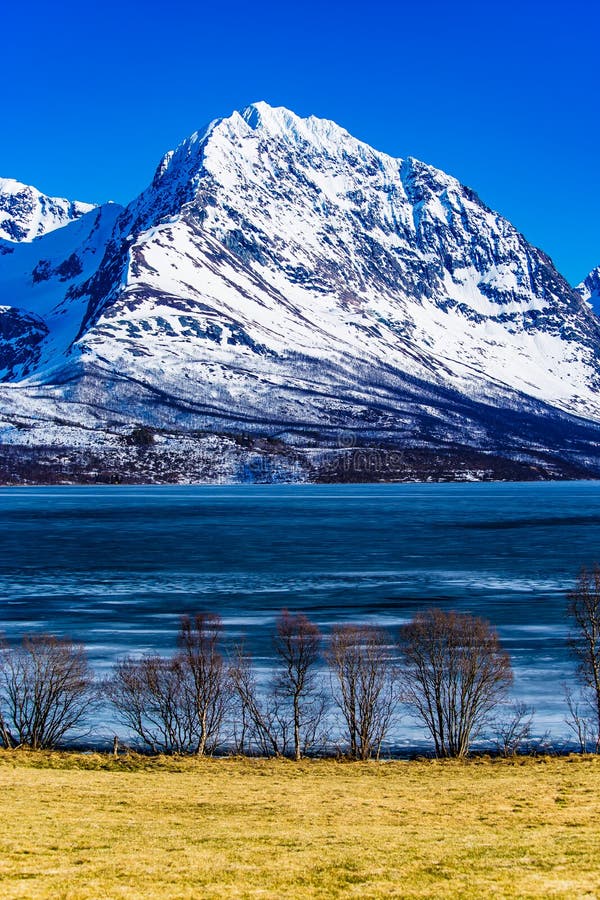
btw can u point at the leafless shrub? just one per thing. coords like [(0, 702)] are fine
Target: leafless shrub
[(365, 686), (45, 691), (584, 639), (512, 728), (455, 675), (153, 698), (544, 745)]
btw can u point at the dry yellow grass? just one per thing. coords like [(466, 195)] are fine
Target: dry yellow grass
[(87, 827)]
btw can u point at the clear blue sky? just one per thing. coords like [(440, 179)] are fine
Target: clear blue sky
[(504, 96)]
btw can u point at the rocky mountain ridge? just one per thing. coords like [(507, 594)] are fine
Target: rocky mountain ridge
[(589, 289), (26, 213)]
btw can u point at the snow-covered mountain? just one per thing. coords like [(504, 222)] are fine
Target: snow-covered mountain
[(283, 291), (26, 213), (589, 289)]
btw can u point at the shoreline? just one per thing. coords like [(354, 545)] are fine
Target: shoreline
[(73, 757), (295, 484)]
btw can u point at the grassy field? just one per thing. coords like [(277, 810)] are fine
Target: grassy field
[(89, 827)]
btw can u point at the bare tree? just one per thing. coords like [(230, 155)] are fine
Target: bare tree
[(366, 685), (581, 718), (297, 643), (584, 639), (455, 675), (45, 691), (283, 715), (200, 655), (176, 704), (512, 728), (153, 698), (261, 725)]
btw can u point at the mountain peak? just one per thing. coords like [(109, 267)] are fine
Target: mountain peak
[(262, 113), (26, 213), (285, 122), (11, 186), (589, 289)]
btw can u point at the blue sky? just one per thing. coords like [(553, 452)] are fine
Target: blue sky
[(503, 96)]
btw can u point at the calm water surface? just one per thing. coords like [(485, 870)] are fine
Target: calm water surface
[(115, 566)]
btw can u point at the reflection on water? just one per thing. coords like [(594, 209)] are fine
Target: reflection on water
[(115, 567)]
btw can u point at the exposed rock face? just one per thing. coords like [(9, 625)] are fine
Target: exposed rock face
[(20, 336)]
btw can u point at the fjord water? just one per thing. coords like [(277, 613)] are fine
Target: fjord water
[(115, 567)]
